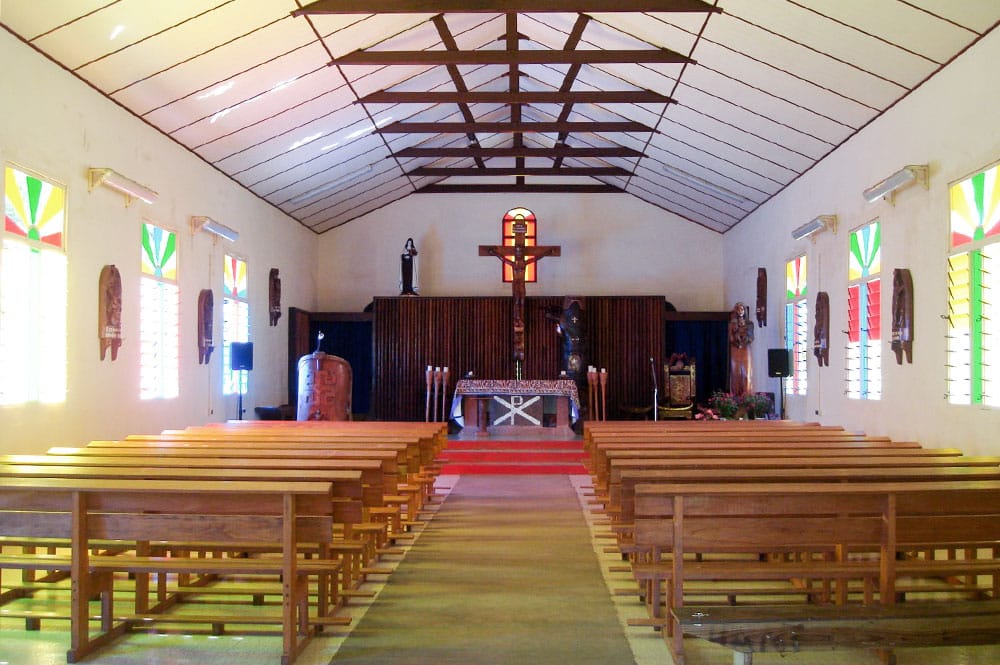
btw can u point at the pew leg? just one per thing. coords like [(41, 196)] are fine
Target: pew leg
[(742, 658)]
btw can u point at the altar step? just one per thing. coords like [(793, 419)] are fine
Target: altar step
[(491, 456)]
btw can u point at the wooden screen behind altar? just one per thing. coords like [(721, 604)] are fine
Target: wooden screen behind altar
[(474, 334)]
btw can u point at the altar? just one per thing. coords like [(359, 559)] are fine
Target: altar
[(501, 403)]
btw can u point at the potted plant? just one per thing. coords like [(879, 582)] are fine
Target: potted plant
[(757, 405), (724, 404)]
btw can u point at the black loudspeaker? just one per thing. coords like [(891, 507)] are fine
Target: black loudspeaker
[(241, 356), (779, 362)]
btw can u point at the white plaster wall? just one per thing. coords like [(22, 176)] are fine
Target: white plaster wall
[(948, 123), (611, 245), (55, 125)]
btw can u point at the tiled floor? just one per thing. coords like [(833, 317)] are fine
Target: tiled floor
[(48, 646)]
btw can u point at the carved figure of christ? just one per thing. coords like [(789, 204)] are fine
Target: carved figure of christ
[(519, 256)]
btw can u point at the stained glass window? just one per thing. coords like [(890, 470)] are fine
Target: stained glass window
[(973, 283), (796, 324), (32, 290), (526, 217), (159, 305), (235, 321), (864, 330)]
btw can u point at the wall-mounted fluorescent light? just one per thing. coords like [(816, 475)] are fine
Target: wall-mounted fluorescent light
[(705, 185), (116, 181), (209, 225), (901, 178), (333, 184), (820, 223)]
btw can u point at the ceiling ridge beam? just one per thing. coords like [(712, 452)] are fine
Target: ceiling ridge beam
[(520, 189), (453, 171), (521, 97), (513, 57), (417, 152), (509, 127), (484, 6)]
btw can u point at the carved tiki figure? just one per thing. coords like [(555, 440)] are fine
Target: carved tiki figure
[(741, 334), (821, 333), (761, 297), (274, 296), (109, 311), (206, 311), (902, 314)]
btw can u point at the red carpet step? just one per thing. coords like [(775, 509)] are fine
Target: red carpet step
[(494, 456)]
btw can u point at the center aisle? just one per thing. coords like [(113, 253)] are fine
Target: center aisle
[(504, 573)]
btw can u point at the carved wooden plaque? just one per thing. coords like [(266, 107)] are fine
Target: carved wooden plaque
[(109, 311), (206, 311), (821, 333), (761, 297), (902, 315)]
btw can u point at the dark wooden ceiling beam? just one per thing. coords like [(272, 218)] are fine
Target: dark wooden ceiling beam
[(519, 189), (452, 171), (571, 43), (456, 76), (522, 97), (433, 153), (509, 127), (485, 6), (512, 58)]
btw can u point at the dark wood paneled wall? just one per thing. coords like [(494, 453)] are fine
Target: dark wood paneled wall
[(474, 334)]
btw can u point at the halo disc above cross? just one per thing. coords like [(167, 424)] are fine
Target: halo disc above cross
[(519, 256)]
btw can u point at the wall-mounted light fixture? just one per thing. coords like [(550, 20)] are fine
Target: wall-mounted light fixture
[(705, 185), (116, 181), (333, 184), (209, 225), (901, 178), (817, 224)]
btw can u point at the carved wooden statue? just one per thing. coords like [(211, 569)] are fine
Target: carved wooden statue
[(274, 296), (741, 335), (324, 387), (109, 311), (761, 297), (206, 312), (902, 314), (821, 332)]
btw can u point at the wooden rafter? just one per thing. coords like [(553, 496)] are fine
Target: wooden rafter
[(456, 76), (519, 189), (571, 43), (510, 127), (450, 171), (521, 97), (509, 57), (518, 152), (484, 6)]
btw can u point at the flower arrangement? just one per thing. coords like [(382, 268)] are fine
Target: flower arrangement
[(757, 405), (724, 404)]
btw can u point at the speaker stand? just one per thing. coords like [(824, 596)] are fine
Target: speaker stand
[(239, 400), (781, 396)]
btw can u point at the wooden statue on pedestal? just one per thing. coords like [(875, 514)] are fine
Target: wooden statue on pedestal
[(741, 335)]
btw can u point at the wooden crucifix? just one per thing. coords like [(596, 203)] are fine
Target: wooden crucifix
[(519, 256)]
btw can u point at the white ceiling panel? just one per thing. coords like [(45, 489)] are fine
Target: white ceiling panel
[(775, 86)]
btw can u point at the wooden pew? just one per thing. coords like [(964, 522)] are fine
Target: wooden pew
[(293, 515), (364, 538), (603, 453), (888, 519)]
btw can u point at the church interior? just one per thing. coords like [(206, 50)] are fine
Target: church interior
[(563, 223)]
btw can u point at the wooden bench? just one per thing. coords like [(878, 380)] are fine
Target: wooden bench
[(294, 515), (883, 521), (788, 629)]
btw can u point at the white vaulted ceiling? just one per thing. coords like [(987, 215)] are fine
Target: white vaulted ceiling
[(703, 113)]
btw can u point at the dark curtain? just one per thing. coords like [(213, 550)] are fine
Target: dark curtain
[(352, 341), (708, 343)]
